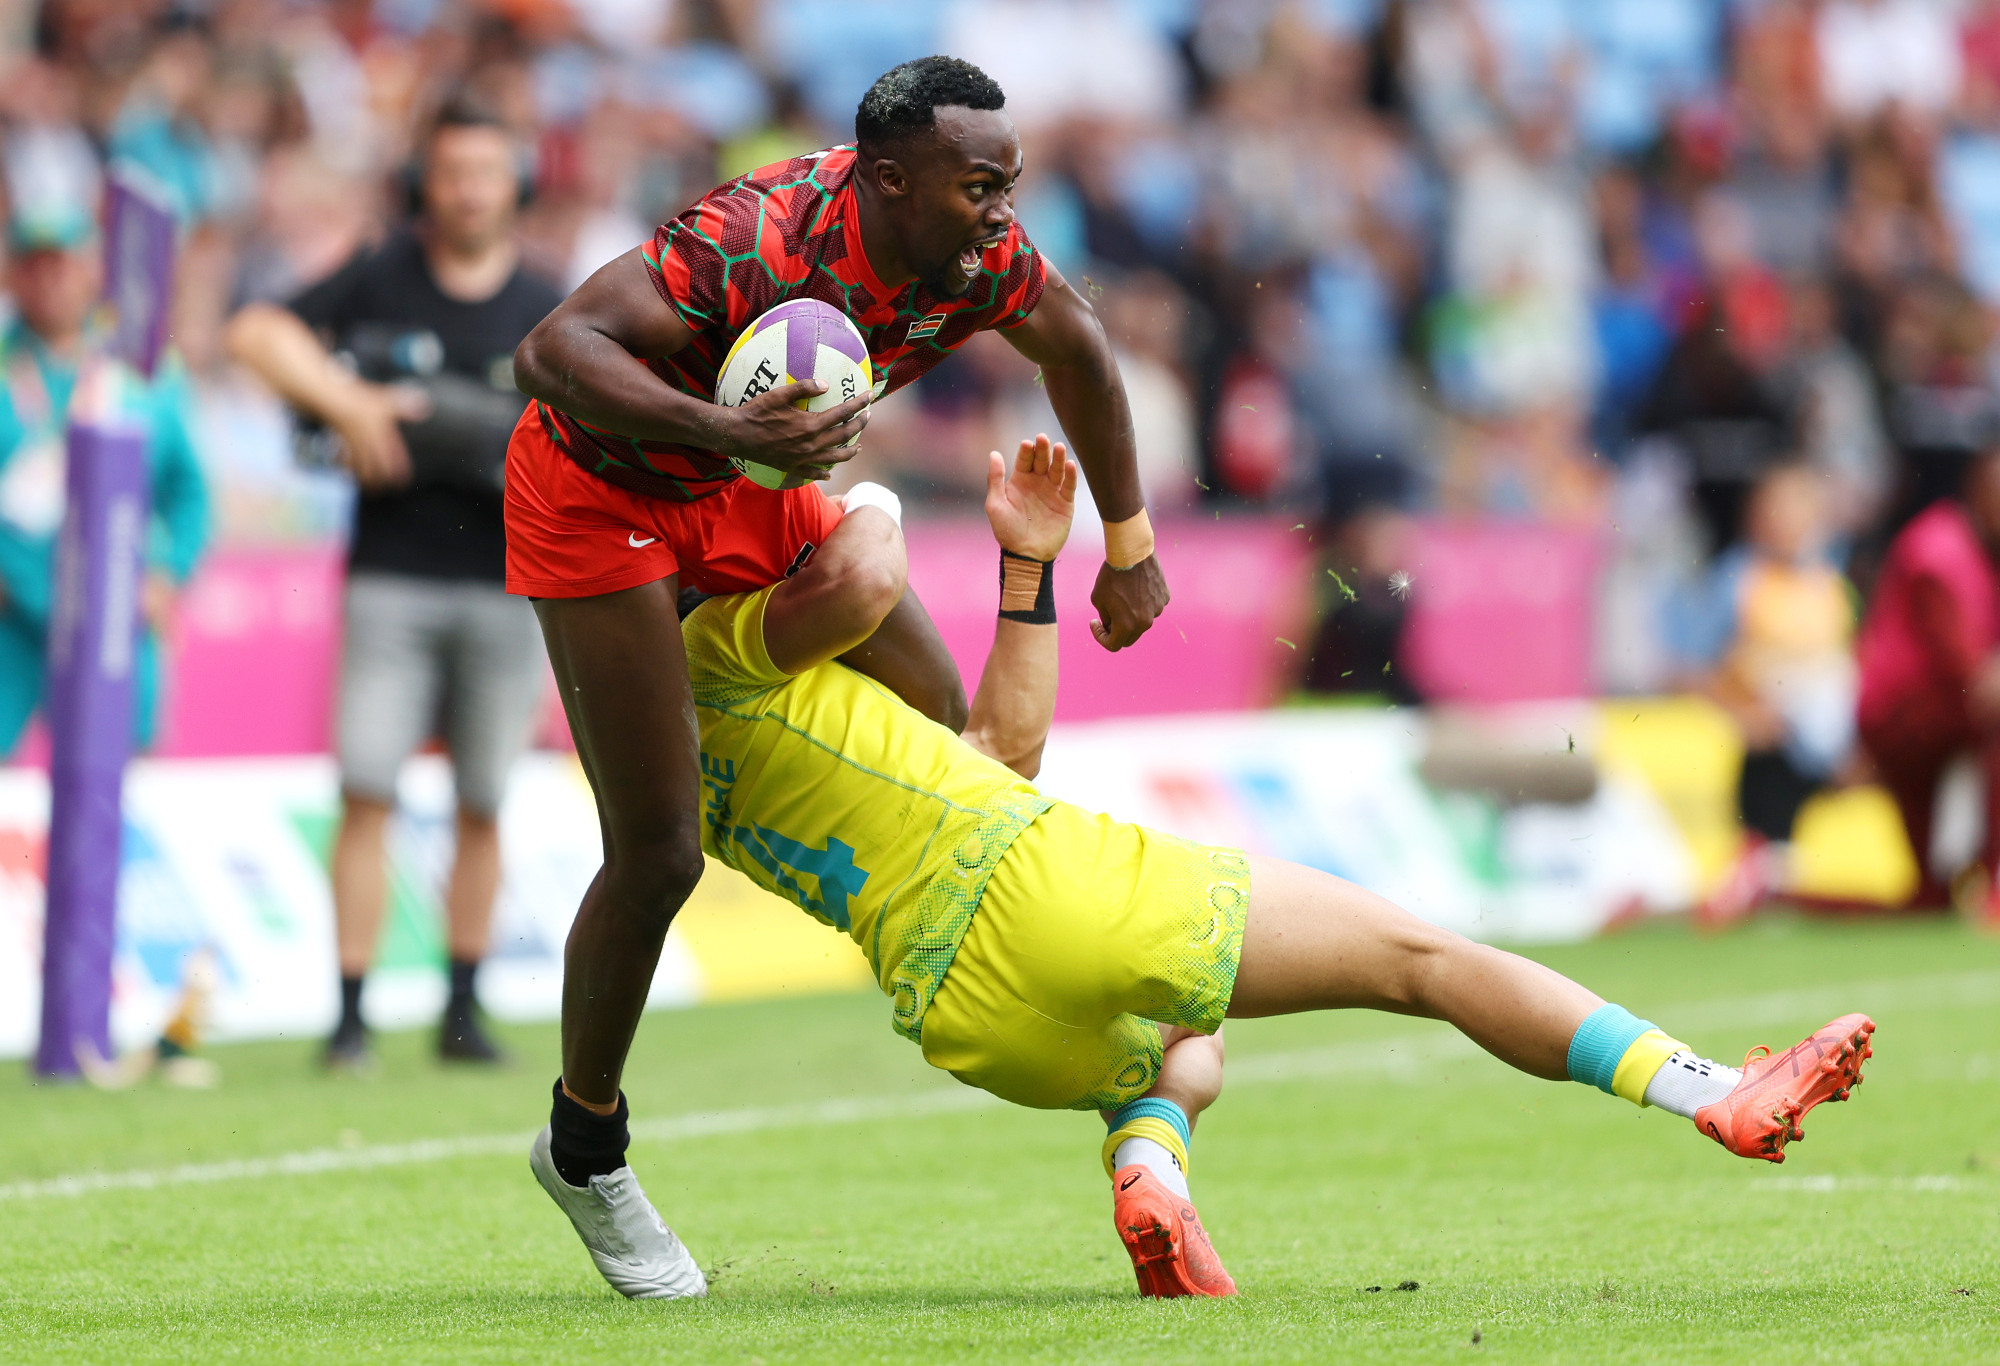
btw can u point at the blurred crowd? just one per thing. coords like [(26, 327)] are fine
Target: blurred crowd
[(1716, 276)]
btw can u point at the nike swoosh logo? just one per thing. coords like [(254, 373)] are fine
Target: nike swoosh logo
[(1130, 1182), (632, 539)]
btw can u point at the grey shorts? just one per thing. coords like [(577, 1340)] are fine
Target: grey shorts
[(424, 657)]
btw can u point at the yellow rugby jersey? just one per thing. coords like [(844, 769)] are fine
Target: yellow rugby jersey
[(867, 815)]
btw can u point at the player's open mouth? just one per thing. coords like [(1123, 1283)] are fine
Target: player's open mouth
[(969, 257)]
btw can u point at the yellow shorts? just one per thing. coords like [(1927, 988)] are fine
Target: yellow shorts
[(1090, 931)]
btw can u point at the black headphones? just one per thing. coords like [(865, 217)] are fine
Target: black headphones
[(410, 178)]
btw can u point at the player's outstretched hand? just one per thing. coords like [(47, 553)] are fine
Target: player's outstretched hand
[(1031, 505), (771, 430)]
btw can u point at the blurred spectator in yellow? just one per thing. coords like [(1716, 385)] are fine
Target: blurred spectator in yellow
[(1768, 637)]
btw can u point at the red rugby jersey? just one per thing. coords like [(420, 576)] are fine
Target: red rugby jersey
[(792, 231)]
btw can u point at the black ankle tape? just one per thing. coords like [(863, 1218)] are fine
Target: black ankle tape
[(583, 1143)]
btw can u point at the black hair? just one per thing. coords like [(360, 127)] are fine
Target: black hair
[(463, 110), (905, 99)]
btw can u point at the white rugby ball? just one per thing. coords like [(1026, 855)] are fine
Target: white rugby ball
[(803, 339)]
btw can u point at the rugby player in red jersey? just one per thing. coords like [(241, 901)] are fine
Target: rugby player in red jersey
[(621, 491)]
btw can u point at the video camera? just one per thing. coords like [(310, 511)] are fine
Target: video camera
[(462, 444)]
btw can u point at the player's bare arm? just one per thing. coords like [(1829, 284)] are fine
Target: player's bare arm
[(588, 358), (931, 208), (1030, 505), (1064, 337)]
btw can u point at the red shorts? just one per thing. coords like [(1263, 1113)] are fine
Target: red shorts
[(571, 535)]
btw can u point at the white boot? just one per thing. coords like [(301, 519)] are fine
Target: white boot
[(631, 1244)]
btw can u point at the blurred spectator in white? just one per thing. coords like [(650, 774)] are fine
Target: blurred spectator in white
[(1059, 59), (49, 159), (1452, 73), (309, 218), (1877, 53), (607, 219), (1517, 350)]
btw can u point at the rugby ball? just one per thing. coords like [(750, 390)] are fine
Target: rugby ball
[(803, 339)]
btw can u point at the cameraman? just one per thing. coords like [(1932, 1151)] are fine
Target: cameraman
[(421, 409)]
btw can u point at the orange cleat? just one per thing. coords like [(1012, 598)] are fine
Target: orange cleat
[(1762, 1114), (1170, 1250)]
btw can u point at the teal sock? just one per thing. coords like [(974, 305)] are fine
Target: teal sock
[(1155, 1134), (1599, 1044), (1153, 1119), (1153, 1107)]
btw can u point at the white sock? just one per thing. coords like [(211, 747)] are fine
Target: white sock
[(1685, 1083), (1155, 1159)]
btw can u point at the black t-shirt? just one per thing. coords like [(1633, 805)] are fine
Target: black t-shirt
[(441, 531)]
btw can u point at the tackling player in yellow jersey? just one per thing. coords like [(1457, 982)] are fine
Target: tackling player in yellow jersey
[(1066, 960)]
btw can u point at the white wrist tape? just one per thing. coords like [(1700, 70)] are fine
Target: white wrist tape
[(870, 495)]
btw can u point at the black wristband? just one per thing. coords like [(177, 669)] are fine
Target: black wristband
[(1027, 589)]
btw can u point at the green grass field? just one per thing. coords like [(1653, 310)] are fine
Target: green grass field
[(916, 1224)]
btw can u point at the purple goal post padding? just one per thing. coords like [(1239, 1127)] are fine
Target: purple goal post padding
[(93, 648), (94, 636)]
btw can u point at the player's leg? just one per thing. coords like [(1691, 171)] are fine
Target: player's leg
[(1312, 941), (390, 673), (749, 537), (908, 656), (597, 562), (1088, 931), (1147, 1154), (622, 672)]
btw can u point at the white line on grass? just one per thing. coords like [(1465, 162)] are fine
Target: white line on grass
[(1396, 1055), (1826, 1184), (316, 1160)]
